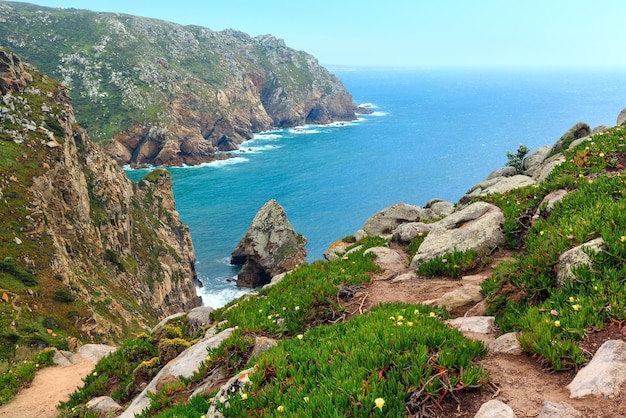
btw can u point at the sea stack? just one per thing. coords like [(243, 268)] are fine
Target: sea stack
[(270, 247)]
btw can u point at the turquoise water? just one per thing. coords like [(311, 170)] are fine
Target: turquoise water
[(432, 134)]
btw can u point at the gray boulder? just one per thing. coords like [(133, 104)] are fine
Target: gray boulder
[(534, 159), (604, 374), (577, 131), (506, 344), (94, 352), (546, 168), (495, 409), (103, 406), (386, 221), (336, 250), (575, 258), (599, 129), (496, 185), (199, 316), (559, 410), (63, 358), (467, 295), (270, 247), (185, 364), (386, 258), (235, 386), (477, 227), (621, 118), (477, 324), (436, 209), (406, 232), (502, 172)]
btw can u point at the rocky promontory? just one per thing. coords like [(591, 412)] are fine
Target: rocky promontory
[(164, 94)]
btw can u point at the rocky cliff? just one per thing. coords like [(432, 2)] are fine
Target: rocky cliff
[(84, 251), (169, 94)]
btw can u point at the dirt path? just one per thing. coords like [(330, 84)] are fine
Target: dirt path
[(50, 386), (519, 381)]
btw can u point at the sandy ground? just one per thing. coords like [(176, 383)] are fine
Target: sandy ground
[(50, 386)]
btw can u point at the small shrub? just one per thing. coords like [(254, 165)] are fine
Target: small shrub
[(50, 322), (170, 348), (451, 264), (63, 295), (517, 160)]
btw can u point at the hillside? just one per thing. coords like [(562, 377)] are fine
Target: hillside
[(529, 265), (165, 94), (85, 254)]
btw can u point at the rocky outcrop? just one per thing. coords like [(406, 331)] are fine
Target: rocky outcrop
[(186, 93), (270, 247), (87, 232), (477, 227), (385, 222), (185, 364)]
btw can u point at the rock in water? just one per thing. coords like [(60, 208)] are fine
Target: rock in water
[(270, 247)]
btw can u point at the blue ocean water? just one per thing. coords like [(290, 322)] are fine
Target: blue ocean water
[(433, 133)]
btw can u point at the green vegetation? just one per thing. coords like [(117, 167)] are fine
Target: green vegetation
[(517, 160), (340, 370), (14, 376), (524, 293)]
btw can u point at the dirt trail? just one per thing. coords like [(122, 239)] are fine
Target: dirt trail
[(50, 386)]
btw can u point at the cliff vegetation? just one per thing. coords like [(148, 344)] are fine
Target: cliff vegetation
[(165, 94), (85, 254)]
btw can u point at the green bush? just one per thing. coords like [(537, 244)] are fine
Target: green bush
[(63, 295), (517, 160)]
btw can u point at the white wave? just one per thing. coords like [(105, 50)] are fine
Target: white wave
[(219, 163), (339, 124), (304, 130), (218, 298), (255, 150), (266, 136), (379, 114), (368, 105)]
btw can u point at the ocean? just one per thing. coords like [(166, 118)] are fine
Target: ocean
[(433, 133)]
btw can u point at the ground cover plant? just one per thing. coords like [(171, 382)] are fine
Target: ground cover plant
[(397, 358), (524, 294), (14, 376)]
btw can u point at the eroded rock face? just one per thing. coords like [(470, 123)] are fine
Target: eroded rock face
[(96, 229), (270, 247), (188, 84)]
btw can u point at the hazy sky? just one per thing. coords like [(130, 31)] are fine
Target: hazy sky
[(411, 32)]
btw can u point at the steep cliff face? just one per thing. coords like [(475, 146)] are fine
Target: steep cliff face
[(81, 245), (169, 94)]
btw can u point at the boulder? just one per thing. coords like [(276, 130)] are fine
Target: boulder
[(406, 232), (559, 410), (477, 227), (496, 185), (236, 385), (466, 295), (436, 209), (621, 118), (546, 168), (63, 358), (385, 258), (604, 374), (94, 352), (199, 316), (575, 258), (495, 409), (477, 324), (577, 131), (534, 159), (184, 365), (261, 345), (502, 172), (103, 406), (386, 221), (270, 247), (506, 344), (336, 250)]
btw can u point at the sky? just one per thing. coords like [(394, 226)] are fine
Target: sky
[(410, 33)]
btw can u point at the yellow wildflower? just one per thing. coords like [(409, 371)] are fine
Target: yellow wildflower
[(571, 299), (432, 315), (557, 323), (576, 307), (622, 238), (399, 317), (409, 324), (379, 402), (297, 308), (300, 336), (416, 312), (244, 396), (306, 399), (281, 408)]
